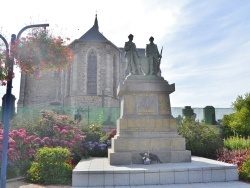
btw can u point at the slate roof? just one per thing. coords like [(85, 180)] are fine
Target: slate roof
[(93, 34)]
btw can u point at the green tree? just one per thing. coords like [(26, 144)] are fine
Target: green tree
[(238, 123)]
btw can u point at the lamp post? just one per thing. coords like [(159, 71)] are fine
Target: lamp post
[(10, 62)]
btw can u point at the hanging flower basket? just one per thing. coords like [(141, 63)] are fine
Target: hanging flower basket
[(4, 71), (40, 50)]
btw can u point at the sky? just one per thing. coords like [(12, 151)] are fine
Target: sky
[(206, 44)]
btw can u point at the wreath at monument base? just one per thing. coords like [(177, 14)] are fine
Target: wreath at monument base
[(149, 158)]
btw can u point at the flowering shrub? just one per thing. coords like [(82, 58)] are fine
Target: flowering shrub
[(53, 130), (240, 157), (95, 149), (237, 157), (45, 126), (99, 148)]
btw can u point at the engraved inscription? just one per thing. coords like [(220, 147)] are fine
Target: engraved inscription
[(146, 104)]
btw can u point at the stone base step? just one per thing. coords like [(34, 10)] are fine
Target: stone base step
[(97, 172)]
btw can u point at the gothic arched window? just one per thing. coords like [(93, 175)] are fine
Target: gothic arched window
[(92, 73)]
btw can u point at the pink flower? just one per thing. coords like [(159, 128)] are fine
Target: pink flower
[(32, 151), (11, 141), (26, 141), (10, 134), (14, 131), (73, 141), (11, 157), (37, 140), (12, 146), (56, 128), (66, 142), (22, 131), (55, 140), (64, 131), (11, 150), (46, 139), (32, 137)]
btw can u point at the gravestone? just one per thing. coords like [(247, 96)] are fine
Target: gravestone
[(209, 115), (146, 123), (188, 112)]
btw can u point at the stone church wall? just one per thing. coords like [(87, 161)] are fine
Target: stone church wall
[(42, 90), (69, 88)]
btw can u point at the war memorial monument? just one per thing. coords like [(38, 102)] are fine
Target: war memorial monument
[(146, 123), (146, 128)]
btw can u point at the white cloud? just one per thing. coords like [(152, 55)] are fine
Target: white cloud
[(206, 43), (207, 55)]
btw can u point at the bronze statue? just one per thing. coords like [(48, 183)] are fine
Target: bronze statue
[(154, 57), (132, 57)]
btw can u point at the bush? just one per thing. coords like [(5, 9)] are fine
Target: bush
[(244, 171), (100, 148), (12, 172), (93, 132), (238, 122), (51, 130), (24, 121), (236, 143), (49, 119), (107, 137), (203, 140), (51, 166), (237, 157), (95, 149)]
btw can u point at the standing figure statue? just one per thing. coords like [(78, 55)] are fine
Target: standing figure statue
[(154, 57), (132, 57)]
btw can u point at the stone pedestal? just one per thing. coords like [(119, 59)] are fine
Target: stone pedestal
[(146, 123)]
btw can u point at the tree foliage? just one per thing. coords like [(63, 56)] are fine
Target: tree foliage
[(238, 123)]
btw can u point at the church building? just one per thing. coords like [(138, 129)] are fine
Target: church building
[(91, 80)]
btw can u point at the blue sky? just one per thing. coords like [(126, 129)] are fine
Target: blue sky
[(206, 44)]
